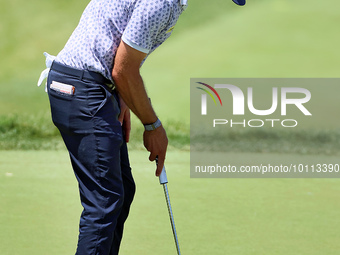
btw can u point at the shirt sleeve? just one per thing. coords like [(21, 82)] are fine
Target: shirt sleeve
[(148, 20)]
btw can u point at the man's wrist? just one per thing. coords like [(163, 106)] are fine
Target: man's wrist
[(153, 126)]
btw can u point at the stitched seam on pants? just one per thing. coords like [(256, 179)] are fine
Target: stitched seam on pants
[(96, 164), (97, 179)]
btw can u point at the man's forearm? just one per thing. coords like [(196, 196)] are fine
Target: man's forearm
[(131, 89), (130, 84)]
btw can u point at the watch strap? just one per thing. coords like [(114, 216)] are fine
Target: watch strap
[(153, 126)]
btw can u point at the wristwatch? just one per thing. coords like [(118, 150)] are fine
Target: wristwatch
[(153, 126)]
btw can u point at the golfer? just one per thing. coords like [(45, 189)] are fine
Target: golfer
[(92, 84)]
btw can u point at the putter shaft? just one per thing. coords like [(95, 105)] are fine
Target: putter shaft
[(166, 192), (163, 181)]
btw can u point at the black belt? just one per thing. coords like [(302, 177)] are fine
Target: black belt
[(82, 74)]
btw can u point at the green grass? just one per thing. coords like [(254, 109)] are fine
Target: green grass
[(18, 132), (39, 210), (310, 142), (38, 133), (264, 39)]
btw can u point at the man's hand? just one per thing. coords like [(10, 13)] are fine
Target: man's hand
[(124, 119), (156, 142)]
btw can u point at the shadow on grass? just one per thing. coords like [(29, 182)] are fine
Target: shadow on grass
[(303, 142)]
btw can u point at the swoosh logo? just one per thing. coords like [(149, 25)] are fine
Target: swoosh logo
[(209, 93)]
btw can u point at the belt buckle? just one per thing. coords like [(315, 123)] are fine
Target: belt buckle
[(111, 86)]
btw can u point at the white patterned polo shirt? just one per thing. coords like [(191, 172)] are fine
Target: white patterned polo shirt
[(142, 24)]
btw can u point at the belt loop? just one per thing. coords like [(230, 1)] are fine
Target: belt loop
[(82, 75)]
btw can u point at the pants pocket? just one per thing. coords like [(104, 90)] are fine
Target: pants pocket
[(97, 98), (91, 105), (70, 113), (60, 108)]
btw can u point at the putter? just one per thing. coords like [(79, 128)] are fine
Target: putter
[(163, 180)]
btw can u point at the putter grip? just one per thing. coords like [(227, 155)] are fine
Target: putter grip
[(163, 178)]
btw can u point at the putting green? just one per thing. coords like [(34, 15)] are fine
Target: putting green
[(39, 210)]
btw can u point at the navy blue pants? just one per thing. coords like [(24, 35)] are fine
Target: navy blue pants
[(88, 123)]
